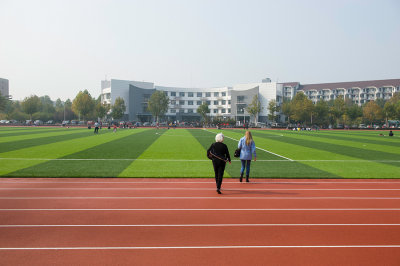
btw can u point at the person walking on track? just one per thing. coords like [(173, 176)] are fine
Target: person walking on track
[(247, 149), (219, 154)]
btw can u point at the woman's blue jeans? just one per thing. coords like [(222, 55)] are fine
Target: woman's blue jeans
[(245, 164)]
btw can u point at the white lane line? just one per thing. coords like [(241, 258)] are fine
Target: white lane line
[(197, 247), (256, 147), (185, 225), (310, 209), (225, 189), (186, 198)]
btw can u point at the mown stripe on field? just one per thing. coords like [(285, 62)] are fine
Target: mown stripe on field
[(130, 146), (41, 134), (57, 150), (32, 131), (43, 140), (172, 144), (353, 139)]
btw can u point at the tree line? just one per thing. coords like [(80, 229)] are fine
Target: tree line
[(83, 108), (340, 111), (299, 110)]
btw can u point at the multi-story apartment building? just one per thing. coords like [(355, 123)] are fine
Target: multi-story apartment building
[(224, 102), (231, 102), (360, 92), (4, 87)]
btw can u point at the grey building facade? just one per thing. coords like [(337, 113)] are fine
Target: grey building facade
[(4, 88)]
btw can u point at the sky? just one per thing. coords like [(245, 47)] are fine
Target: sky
[(57, 48)]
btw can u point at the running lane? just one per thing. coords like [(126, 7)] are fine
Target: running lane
[(184, 222)]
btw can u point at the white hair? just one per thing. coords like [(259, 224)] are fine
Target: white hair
[(219, 137)]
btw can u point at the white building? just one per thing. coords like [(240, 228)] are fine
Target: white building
[(230, 102), (223, 102)]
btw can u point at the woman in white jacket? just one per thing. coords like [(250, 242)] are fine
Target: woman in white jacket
[(247, 150)]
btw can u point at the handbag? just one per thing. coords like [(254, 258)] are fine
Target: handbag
[(237, 152), (210, 152)]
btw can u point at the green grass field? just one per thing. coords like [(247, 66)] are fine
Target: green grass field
[(77, 152)]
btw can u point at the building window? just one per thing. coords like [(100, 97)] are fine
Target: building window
[(199, 94), (190, 102), (146, 98), (223, 102), (166, 93), (173, 111), (173, 102), (181, 111), (208, 94), (240, 99), (223, 94), (215, 102), (208, 102), (216, 94), (229, 101), (240, 108), (229, 110), (190, 94), (198, 102), (181, 102), (215, 111), (173, 93), (223, 111), (181, 94), (190, 111)]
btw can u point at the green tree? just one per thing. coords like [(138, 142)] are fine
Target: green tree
[(302, 108), (372, 112), (338, 109), (287, 108), (83, 104), (389, 109), (273, 108), (354, 112), (254, 108), (320, 114), (203, 110), (158, 104), (101, 109), (118, 109), (31, 105)]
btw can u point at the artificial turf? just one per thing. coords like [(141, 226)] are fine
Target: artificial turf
[(77, 152)]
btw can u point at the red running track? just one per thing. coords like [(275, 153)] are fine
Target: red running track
[(185, 222)]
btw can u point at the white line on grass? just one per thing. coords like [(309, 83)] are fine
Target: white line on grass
[(256, 147), (196, 198), (183, 225), (225, 189), (117, 181), (193, 160), (320, 209), (199, 247)]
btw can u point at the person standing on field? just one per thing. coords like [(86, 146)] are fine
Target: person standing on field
[(219, 154), (247, 150)]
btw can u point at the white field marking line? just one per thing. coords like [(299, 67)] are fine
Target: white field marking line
[(256, 147), (183, 225), (194, 160), (225, 189), (320, 209), (199, 247), (220, 198), (197, 182)]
